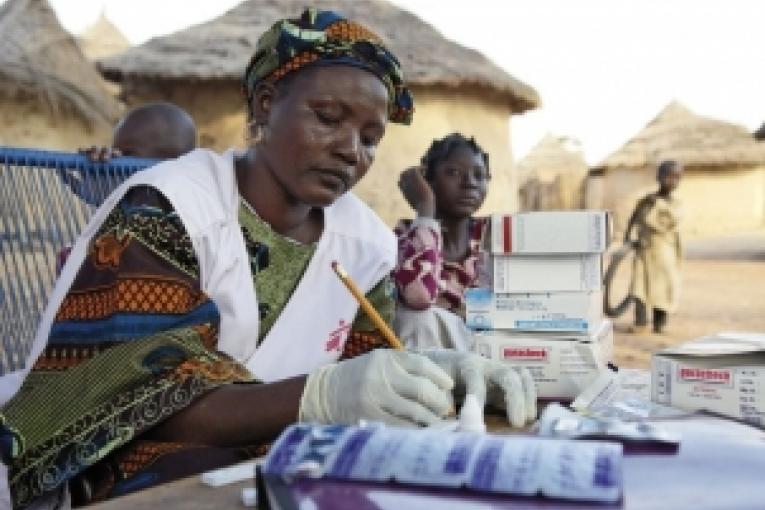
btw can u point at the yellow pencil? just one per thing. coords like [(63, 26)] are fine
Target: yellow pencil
[(389, 335)]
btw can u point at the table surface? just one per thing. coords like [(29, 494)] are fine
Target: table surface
[(719, 466)]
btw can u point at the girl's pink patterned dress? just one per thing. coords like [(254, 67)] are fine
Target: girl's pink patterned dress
[(423, 278)]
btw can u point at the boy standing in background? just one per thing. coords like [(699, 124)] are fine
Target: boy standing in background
[(653, 229)]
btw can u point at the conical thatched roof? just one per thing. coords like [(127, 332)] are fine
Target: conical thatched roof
[(677, 133), (102, 39), (553, 156), (221, 48), (41, 59)]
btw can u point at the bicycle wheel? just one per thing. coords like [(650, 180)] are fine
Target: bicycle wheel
[(625, 252)]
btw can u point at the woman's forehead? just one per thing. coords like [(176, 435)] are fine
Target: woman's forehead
[(354, 86)]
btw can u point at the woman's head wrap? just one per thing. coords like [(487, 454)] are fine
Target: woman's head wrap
[(325, 38)]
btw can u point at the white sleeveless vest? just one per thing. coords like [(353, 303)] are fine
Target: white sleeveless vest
[(314, 324)]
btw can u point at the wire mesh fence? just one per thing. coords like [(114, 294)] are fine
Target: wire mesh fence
[(46, 199)]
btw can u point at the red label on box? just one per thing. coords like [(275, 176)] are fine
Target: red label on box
[(507, 233), (705, 375), (525, 353)]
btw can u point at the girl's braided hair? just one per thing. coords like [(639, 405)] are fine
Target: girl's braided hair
[(441, 149)]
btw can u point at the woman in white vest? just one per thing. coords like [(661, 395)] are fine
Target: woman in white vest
[(198, 315)]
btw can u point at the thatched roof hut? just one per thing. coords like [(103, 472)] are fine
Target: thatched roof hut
[(552, 175), (552, 156), (41, 61), (219, 49), (102, 39), (678, 133), (724, 183), (455, 88)]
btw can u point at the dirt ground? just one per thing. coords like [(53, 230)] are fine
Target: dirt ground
[(723, 290)]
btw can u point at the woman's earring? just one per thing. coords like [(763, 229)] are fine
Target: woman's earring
[(253, 133)]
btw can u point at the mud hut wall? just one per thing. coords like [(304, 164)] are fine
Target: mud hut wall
[(218, 109), (722, 200), (564, 192), (593, 191), (622, 188), (714, 200), (27, 122), (539, 195), (570, 190)]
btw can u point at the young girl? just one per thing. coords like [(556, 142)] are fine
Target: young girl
[(440, 252)]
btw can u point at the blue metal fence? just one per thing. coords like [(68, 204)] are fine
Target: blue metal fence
[(46, 199)]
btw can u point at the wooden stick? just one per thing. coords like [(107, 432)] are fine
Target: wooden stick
[(388, 333)]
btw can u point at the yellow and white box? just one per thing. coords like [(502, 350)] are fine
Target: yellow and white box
[(547, 232), (724, 373), (562, 364), (547, 273), (550, 311)]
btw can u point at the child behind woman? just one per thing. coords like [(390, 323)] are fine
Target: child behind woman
[(441, 251)]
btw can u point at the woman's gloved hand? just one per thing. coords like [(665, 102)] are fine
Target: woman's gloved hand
[(502, 385), (396, 387)]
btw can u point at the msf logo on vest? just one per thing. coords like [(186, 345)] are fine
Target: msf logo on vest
[(337, 337)]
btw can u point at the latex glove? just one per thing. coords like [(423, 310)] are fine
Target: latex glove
[(508, 386), (396, 387)]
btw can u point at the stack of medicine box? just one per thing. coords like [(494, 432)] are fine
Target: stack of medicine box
[(722, 373), (545, 310)]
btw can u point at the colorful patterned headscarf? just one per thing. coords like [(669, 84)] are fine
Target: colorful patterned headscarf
[(324, 37)]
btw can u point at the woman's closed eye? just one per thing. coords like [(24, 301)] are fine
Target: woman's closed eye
[(328, 117)]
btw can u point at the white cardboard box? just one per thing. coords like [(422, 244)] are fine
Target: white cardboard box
[(724, 373), (586, 231), (547, 273), (551, 311), (562, 364)]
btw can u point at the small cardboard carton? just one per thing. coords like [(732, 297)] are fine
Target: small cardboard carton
[(547, 273), (549, 311), (562, 364), (723, 373), (547, 232)]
